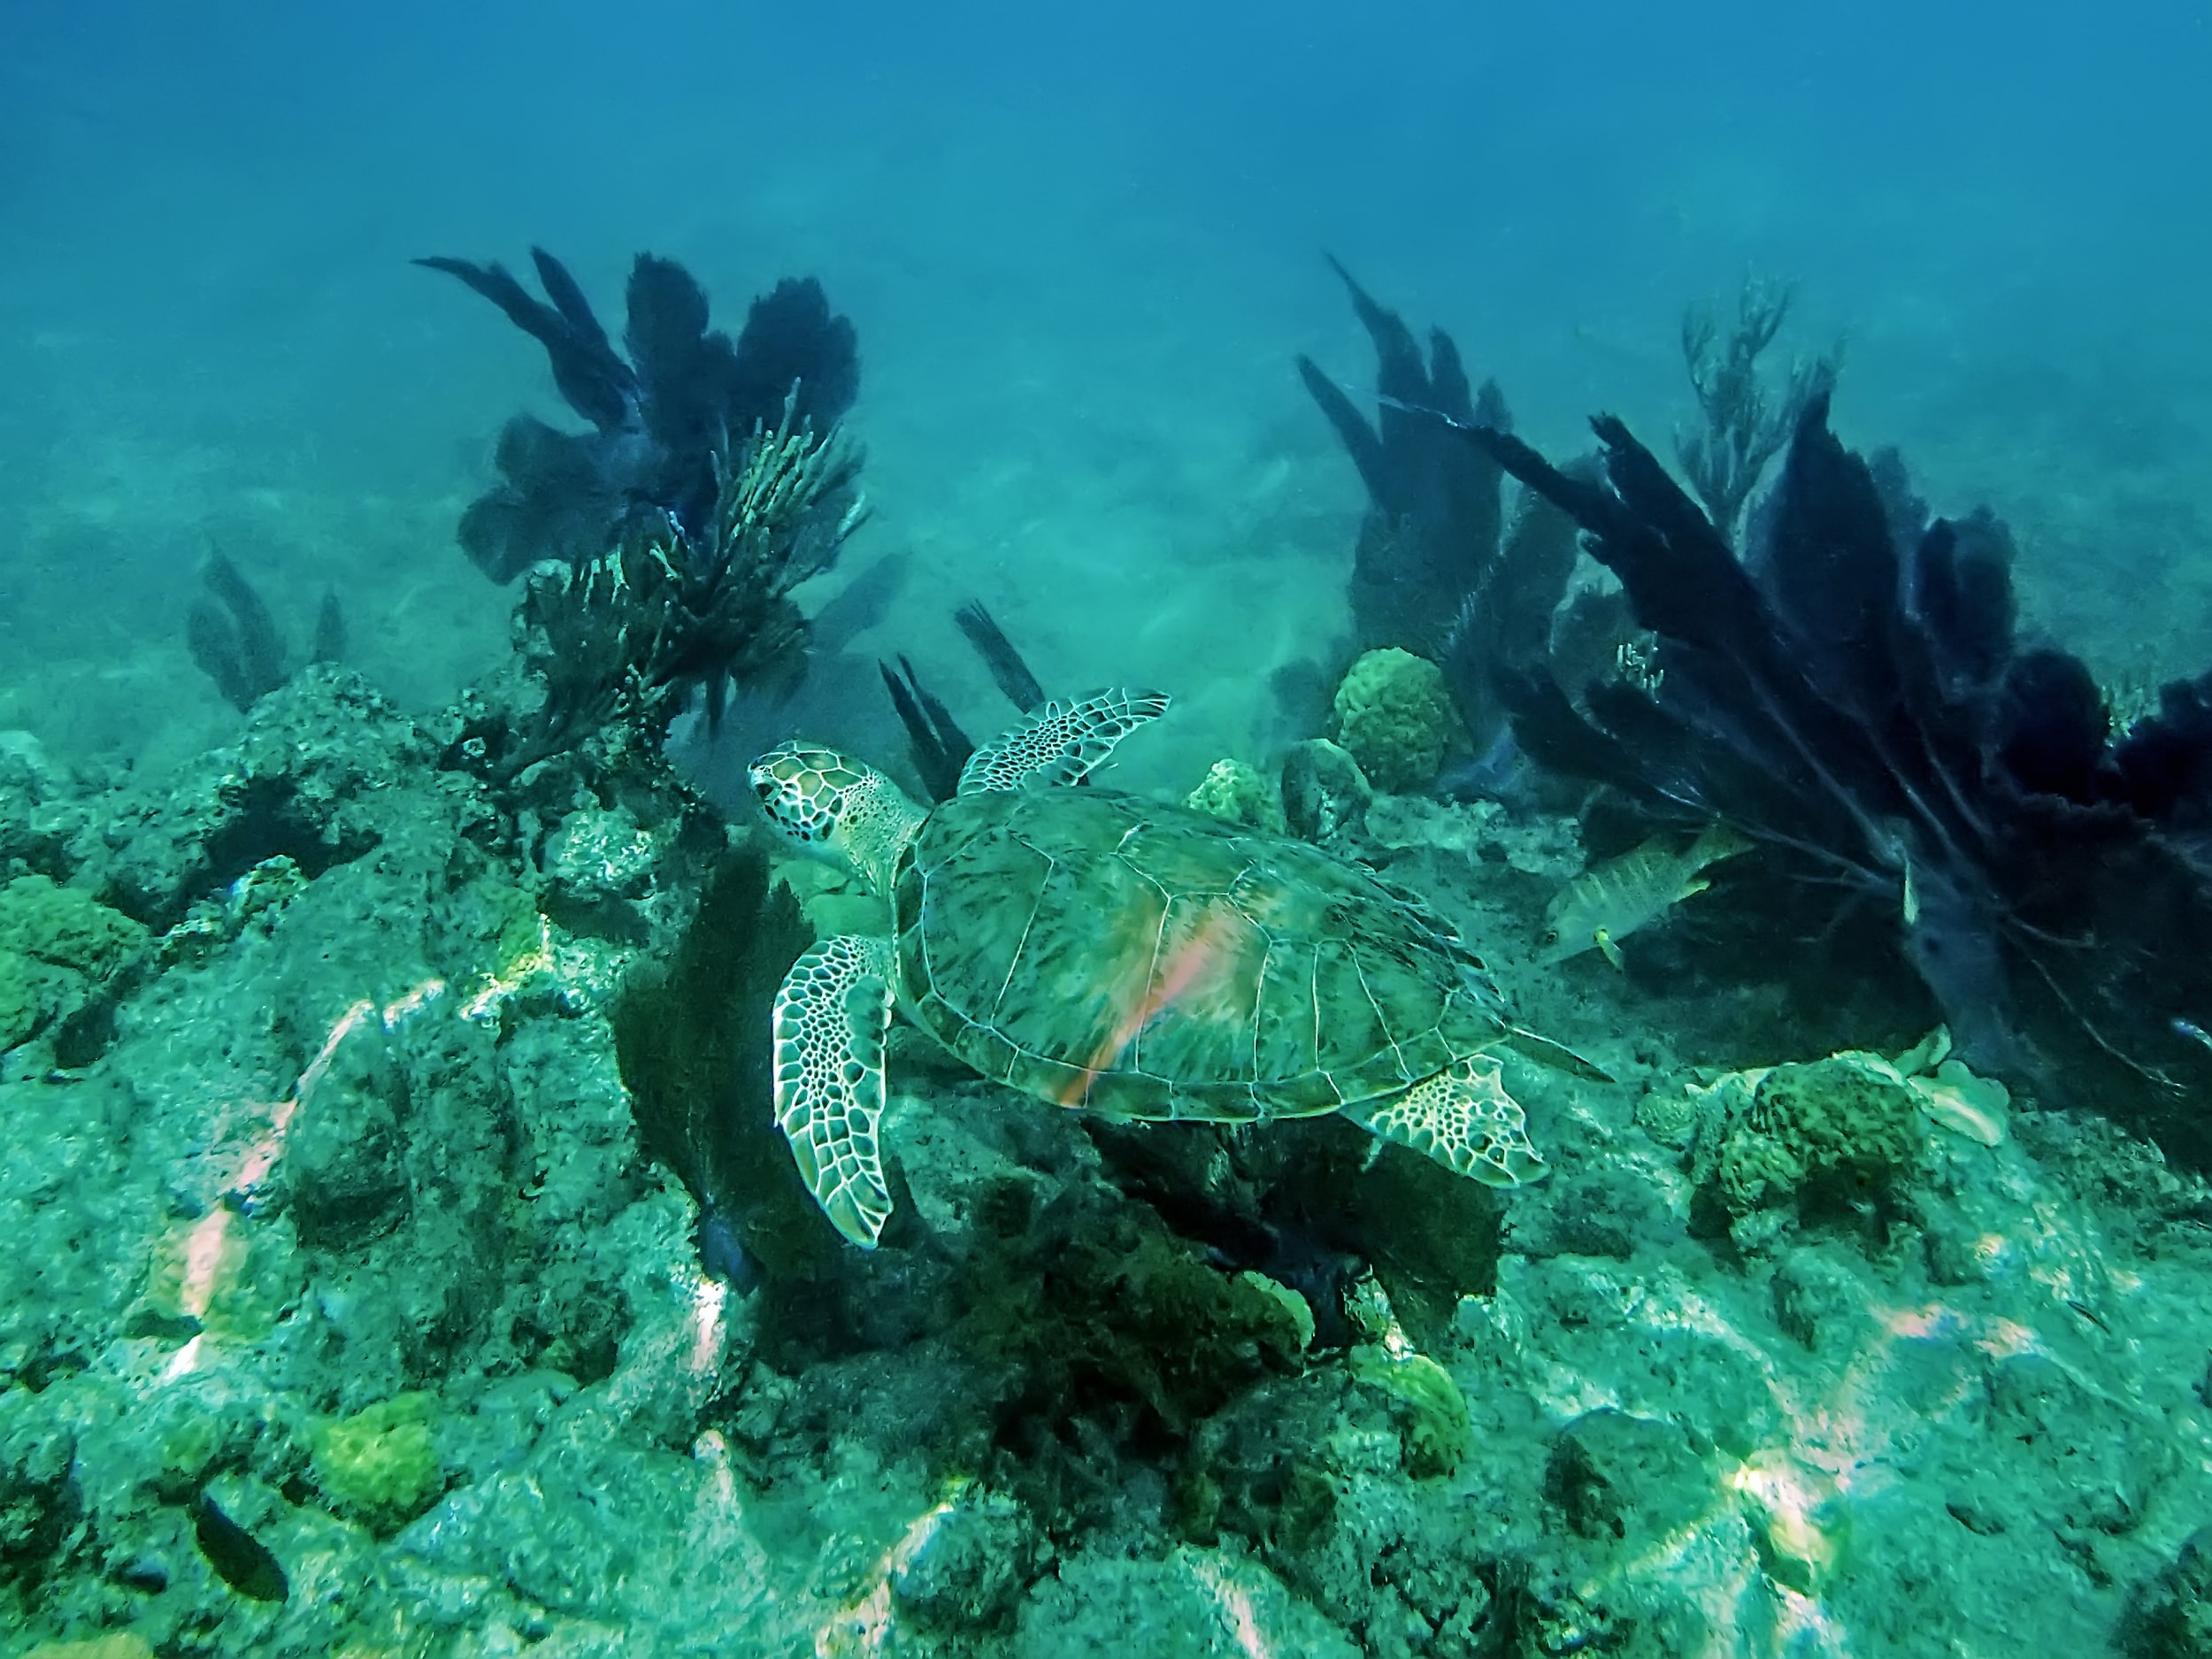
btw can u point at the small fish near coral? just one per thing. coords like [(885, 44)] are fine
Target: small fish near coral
[(240, 1559), (1857, 694), (1603, 906)]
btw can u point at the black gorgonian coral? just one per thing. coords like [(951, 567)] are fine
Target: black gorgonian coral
[(624, 641)]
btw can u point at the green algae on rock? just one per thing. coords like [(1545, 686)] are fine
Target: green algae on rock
[(380, 1465), (1238, 793), (62, 956)]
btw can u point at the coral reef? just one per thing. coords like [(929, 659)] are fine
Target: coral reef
[(405, 1259), (1393, 716), (1856, 696), (355, 1202), (363, 1255), (1440, 569), (305, 789)]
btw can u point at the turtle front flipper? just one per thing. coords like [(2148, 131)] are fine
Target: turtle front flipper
[(830, 1020), (1061, 743), (1464, 1118)]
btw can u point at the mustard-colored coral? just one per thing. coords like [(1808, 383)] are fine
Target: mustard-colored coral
[(1240, 793), (380, 1464), (1833, 1118), (1434, 1425), (1394, 715)]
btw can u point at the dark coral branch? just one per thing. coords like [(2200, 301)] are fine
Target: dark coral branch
[(626, 640), (1438, 570), (684, 395), (692, 1036), (1744, 428), (1008, 671), (1854, 693), (591, 379), (935, 740), (939, 748), (1434, 517), (235, 641)]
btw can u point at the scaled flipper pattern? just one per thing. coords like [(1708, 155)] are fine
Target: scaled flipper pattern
[(1061, 743), (830, 1020), (1464, 1118)]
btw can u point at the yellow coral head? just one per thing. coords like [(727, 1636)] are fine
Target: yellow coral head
[(820, 799)]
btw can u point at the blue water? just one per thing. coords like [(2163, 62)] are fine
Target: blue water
[(1081, 246)]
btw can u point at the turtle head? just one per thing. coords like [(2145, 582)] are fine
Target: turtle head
[(852, 812)]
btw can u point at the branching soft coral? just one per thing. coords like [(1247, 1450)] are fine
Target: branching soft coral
[(624, 641), (1856, 694), (660, 415), (1744, 428)]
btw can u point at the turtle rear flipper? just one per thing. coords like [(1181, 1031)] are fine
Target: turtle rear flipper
[(1061, 743), (1464, 1118), (1533, 1046), (830, 1020)]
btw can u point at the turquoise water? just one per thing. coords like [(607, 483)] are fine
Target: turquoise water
[(1082, 253), (408, 1261)]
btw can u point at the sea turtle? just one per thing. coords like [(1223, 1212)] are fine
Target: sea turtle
[(1105, 951)]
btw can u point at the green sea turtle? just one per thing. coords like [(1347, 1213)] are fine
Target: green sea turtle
[(1107, 952)]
